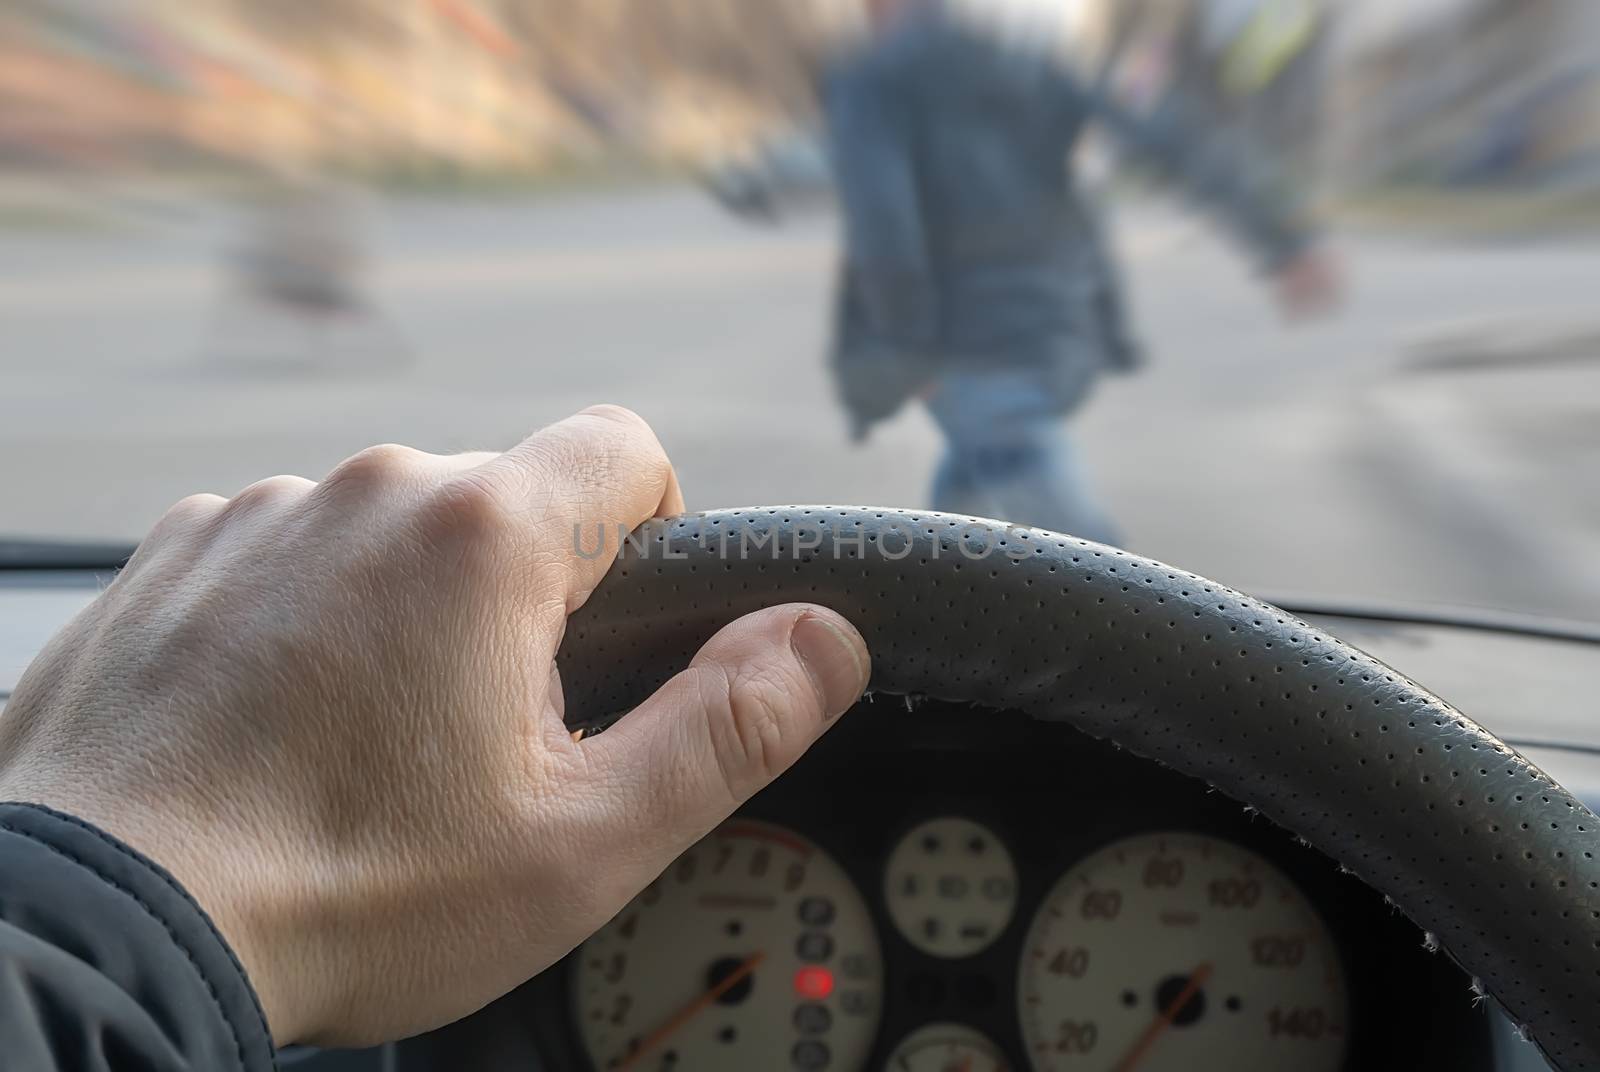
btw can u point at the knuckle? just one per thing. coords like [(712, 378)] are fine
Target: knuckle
[(187, 516), (589, 456), (186, 524), (622, 415), (468, 510), (272, 491), (625, 438), (375, 467), (191, 510), (750, 729)]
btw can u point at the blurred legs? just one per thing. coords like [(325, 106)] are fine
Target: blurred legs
[(1008, 455)]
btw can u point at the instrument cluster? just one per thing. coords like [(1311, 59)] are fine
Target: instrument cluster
[(959, 891)]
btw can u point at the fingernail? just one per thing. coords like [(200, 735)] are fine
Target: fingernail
[(836, 662)]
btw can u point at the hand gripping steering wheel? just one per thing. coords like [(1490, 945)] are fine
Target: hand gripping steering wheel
[(1474, 843)]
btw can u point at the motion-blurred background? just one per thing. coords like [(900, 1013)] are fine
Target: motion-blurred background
[(240, 237)]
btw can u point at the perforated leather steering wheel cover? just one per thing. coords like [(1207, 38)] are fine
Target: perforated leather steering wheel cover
[(1473, 842)]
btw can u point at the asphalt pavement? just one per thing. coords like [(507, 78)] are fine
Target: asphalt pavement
[(1344, 458)]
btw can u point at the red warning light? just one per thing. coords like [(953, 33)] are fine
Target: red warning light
[(813, 982)]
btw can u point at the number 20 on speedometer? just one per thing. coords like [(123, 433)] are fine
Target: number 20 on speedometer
[(1184, 953)]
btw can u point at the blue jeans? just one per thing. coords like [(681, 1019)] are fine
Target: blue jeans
[(1008, 455)]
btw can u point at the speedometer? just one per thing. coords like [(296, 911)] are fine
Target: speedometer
[(1180, 952), (753, 950)]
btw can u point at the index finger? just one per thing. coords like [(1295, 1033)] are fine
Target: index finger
[(584, 482)]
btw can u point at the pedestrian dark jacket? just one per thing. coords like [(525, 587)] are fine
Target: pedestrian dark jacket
[(966, 240), (107, 965)]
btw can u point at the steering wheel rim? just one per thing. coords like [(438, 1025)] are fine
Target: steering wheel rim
[(1491, 857)]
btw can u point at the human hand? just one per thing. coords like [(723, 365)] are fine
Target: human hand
[(332, 711), (1310, 284)]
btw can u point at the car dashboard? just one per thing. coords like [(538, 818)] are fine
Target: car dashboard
[(941, 889)]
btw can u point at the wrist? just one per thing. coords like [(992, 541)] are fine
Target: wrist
[(135, 923), (247, 924)]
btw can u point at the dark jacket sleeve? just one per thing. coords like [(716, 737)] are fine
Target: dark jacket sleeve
[(1221, 170), (107, 965)]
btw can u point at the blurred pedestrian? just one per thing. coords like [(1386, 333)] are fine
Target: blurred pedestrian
[(974, 276), (304, 250), (300, 293)]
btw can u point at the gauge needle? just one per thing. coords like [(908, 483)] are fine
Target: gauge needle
[(691, 1010), (1142, 1044)]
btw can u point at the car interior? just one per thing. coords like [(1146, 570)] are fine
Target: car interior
[(1303, 299), (1096, 812)]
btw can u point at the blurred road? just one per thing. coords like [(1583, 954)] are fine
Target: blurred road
[(1439, 442)]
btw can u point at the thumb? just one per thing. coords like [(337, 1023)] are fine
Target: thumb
[(750, 703)]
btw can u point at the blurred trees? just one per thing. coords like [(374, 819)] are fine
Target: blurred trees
[(486, 84)]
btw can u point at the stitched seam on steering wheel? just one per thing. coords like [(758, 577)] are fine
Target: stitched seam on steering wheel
[(216, 999)]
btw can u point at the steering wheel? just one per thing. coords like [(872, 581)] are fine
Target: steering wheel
[(1492, 858)]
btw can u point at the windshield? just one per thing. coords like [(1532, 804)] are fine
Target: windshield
[(243, 238)]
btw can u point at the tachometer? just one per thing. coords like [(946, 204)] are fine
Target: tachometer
[(753, 950), (1180, 952)]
